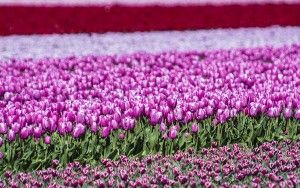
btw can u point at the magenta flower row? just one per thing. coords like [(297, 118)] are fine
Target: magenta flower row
[(106, 93)]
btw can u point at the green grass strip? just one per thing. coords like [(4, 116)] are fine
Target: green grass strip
[(28, 155)]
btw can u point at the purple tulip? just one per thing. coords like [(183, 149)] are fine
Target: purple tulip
[(172, 102), (69, 127), (11, 135), (253, 111), (47, 140), (104, 121), (287, 113), (71, 116), (273, 112), (155, 117), (3, 128), (128, 123), (78, 130), (105, 132), (94, 127), (62, 128), (46, 124), (114, 124), (163, 127), (195, 128), (188, 117), (80, 118), (53, 125), (37, 132), (16, 127), (170, 117), (173, 132), (24, 133), (200, 114), (178, 114), (297, 114)]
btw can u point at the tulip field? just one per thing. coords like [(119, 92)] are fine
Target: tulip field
[(194, 108)]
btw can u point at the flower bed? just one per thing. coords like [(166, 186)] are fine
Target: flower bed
[(83, 108), (63, 18), (272, 164)]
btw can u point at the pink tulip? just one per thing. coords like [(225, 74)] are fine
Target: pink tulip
[(37, 132), (11, 135), (195, 128), (173, 132), (47, 140), (78, 130), (163, 127), (105, 132), (3, 128)]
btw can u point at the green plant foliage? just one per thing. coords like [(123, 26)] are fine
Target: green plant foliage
[(29, 154)]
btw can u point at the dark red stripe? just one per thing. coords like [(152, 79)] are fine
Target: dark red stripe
[(42, 20)]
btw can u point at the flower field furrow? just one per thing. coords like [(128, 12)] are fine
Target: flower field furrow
[(83, 108), (41, 17), (273, 164), (65, 45)]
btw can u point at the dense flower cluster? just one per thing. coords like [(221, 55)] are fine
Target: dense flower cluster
[(272, 164), (106, 93)]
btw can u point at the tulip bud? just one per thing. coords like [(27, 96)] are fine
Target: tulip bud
[(195, 128), (170, 117), (37, 132), (78, 131), (173, 132), (121, 136), (24, 133), (80, 118), (16, 127), (287, 113), (273, 112), (163, 127), (46, 124), (200, 115), (94, 127), (11, 135), (69, 127), (253, 111), (62, 128), (114, 124), (188, 117), (3, 128), (172, 102), (178, 114), (155, 117), (47, 140), (53, 125), (71, 116), (105, 132)]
